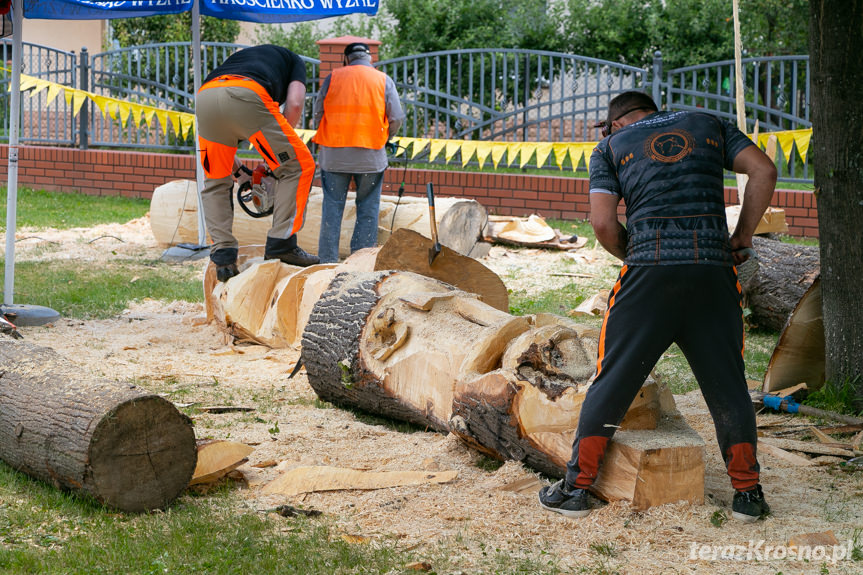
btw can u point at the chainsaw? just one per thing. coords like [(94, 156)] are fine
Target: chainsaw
[(255, 195)]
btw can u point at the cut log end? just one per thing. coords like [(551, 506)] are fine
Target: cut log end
[(142, 455)]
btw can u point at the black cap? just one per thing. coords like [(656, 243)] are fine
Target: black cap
[(355, 47)]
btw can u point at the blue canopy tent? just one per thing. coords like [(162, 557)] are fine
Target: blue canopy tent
[(260, 11)]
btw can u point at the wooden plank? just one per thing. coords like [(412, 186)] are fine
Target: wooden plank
[(821, 436), (325, 478), (780, 453), (805, 446)]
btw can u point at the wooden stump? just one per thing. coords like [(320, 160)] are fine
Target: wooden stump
[(128, 449)]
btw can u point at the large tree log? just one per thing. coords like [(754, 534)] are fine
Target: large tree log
[(174, 220), (128, 449), (785, 273), (415, 349)]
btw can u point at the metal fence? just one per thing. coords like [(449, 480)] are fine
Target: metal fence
[(776, 93), (514, 95), (40, 123), (478, 94)]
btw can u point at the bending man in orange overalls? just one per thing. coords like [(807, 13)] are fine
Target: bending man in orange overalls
[(238, 101)]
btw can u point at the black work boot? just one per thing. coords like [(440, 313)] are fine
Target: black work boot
[(749, 506), (224, 273), (226, 263), (289, 252), (568, 502)]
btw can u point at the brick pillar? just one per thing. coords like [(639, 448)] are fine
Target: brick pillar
[(332, 51)]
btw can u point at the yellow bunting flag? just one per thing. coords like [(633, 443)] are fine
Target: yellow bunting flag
[(802, 138), (587, 150), (76, 99), (513, 151), (40, 85), (175, 121), (786, 142), (54, 90), (467, 150), (498, 149), (187, 125), (543, 150), (401, 146), (27, 82), (101, 103), (136, 114), (148, 115), (162, 116), (452, 146), (418, 146), (560, 152), (123, 109), (436, 147), (305, 135), (575, 154), (483, 149), (526, 152)]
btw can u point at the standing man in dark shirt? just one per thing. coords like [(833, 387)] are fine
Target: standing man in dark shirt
[(239, 101), (678, 283)]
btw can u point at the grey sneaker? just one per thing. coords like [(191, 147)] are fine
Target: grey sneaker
[(749, 506), (561, 500)]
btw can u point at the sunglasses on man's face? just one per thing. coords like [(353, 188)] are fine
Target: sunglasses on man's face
[(606, 125)]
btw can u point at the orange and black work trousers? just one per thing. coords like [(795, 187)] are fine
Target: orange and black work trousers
[(231, 109), (698, 307)]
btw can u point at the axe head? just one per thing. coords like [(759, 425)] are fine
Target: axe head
[(433, 252)]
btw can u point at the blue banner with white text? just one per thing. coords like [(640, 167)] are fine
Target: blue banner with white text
[(93, 10), (261, 11)]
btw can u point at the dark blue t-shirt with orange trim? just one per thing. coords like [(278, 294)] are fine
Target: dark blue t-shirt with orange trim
[(669, 170)]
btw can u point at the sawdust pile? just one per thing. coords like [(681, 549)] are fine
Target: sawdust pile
[(167, 347)]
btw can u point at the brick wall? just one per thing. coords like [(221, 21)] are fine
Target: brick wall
[(137, 174), (332, 52)]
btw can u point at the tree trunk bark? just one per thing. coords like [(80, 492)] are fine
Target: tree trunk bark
[(837, 160), (460, 221), (128, 449), (785, 272)]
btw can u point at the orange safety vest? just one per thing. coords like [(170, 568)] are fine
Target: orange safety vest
[(355, 109)]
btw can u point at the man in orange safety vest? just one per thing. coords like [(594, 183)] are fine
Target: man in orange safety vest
[(357, 111)]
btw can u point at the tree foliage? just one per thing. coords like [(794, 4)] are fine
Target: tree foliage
[(687, 32), (171, 28), (627, 31), (299, 38), (421, 26)]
